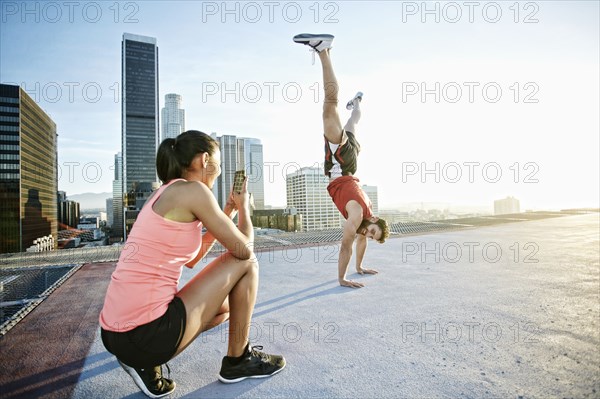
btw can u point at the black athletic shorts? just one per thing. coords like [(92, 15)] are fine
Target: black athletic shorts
[(150, 344)]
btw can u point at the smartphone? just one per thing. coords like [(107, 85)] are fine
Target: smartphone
[(238, 181)]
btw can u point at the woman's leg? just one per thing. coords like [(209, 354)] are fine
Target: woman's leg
[(225, 289)]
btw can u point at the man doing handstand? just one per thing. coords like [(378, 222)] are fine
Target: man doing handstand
[(341, 153)]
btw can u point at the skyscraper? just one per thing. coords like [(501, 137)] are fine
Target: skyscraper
[(307, 192), (28, 171), (251, 160), (172, 117), (109, 212), (229, 154), (68, 212), (140, 122), (239, 153), (117, 228)]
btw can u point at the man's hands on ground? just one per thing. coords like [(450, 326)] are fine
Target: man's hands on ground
[(351, 284), (366, 271), (355, 284)]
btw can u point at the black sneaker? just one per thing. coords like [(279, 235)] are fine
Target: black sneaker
[(252, 364), (150, 380)]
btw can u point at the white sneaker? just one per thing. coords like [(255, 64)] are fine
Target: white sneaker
[(318, 42), (357, 97)]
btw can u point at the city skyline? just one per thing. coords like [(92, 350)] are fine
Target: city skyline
[(465, 110)]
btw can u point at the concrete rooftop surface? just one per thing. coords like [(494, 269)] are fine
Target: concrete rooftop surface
[(503, 311)]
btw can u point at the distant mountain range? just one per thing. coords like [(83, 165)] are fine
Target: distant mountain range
[(90, 200)]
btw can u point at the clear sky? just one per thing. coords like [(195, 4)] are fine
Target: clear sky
[(465, 102)]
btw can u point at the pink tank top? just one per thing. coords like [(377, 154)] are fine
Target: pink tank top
[(147, 274)]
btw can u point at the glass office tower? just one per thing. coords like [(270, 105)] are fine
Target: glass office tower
[(140, 122), (28, 171)]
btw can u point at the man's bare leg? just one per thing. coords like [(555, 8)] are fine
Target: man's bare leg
[(321, 43), (332, 126)]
